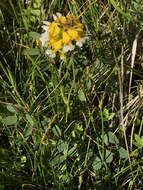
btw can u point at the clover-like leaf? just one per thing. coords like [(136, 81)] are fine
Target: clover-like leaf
[(97, 163), (138, 141), (81, 95), (112, 138), (123, 153), (108, 156), (10, 120)]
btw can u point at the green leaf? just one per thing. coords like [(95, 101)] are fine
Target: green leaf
[(32, 18), (108, 156), (36, 12), (136, 5), (10, 120), (11, 108), (96, 163), (33, 51), (111, 116), (106, 113), (28, 132), (61, 146), (2, 187), (57, 160), (106, 139), (37, 4), (89, 153), (34, 35), (107, 116), (56, 130), (118, 8), (23, 159), (4, 154), (78, 129), (123, 153), (72, 151), (81, 95), (139, 141), (89, 84), (0, 118), (65, 178), (30, 119), (112, 138)]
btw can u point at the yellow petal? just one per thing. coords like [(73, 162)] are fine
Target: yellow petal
[(57, 45), (62, 55), (54, 29), (62, 19), (74, 34), (69, 17), (66, 38), (80, 31), (51, 41)]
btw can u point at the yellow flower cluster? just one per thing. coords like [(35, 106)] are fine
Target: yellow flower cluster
[(62, 35)]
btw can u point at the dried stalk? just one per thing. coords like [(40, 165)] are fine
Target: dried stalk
[(121, 80), (134, 48)]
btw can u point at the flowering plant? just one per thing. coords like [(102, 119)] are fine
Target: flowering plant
[(62, 35)]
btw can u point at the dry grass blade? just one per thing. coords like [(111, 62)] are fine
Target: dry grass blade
[(134, 48)]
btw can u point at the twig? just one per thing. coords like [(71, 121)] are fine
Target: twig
[(46, 131), (15, 105)]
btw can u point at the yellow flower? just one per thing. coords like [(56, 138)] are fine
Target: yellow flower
[(62, 35)]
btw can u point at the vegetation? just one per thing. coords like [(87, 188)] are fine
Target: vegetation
[(73, 123)]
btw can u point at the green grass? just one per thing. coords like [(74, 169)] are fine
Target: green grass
[(75, 124)]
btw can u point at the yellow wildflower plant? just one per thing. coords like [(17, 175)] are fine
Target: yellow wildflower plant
[(62, 35)]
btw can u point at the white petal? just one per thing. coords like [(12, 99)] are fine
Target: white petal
[(50, 53), (44, 38), (62, 58), (46, 23), (55, 17), (84, 39), (45, 27), (68, 48), (59, 14), (79, 43)]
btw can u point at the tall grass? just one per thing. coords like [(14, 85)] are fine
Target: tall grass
[(74, 124)]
